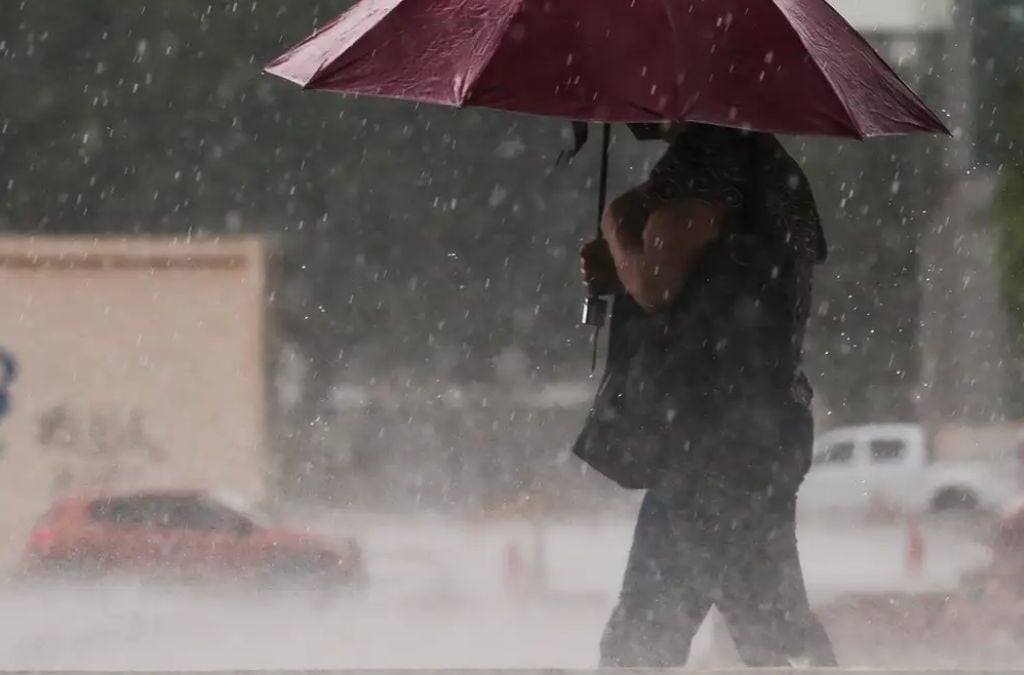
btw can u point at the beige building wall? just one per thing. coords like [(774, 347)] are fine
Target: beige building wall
[(140, 363)]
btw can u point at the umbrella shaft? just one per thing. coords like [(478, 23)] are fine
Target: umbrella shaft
[(602, 187), (595, 310)]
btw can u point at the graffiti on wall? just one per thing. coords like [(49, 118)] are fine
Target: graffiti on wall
[(96, 449)]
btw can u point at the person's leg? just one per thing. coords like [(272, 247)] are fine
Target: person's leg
[(666, 591), (764, 599)]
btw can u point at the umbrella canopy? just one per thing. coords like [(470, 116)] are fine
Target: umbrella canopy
[(781, 66)]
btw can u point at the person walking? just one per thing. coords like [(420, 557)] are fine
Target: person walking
[(704, 402)]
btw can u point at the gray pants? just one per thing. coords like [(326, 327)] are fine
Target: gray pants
[(714, 546)]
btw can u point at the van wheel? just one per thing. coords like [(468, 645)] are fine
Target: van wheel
[(954, 499)]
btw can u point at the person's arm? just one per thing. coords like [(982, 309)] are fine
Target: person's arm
[(655, 243)]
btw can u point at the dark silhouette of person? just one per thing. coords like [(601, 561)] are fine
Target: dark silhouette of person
[(711, 262)]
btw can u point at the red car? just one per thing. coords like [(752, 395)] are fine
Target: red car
[(179, 534)]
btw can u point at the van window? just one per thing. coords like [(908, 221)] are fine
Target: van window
[(887, 450), (837, 453)]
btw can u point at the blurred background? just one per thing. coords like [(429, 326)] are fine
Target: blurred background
[(228, 303)]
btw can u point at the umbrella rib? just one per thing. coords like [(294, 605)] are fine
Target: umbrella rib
[(276, 63), (885, 64), (327, 67), (471, 82), (852, 122), (671, 19)]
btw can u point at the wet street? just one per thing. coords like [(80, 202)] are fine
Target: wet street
[(443, 594)]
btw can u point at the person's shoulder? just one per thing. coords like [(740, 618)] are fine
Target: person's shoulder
[(779, 166), (789, 201)]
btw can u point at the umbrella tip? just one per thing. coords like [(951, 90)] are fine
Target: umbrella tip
[(938, 126)]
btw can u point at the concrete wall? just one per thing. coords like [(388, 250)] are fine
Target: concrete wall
[(140, 363)]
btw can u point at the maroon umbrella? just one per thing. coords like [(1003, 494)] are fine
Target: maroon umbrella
[(782, 66)]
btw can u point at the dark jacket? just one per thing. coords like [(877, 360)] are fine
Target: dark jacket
[(706, 385)]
